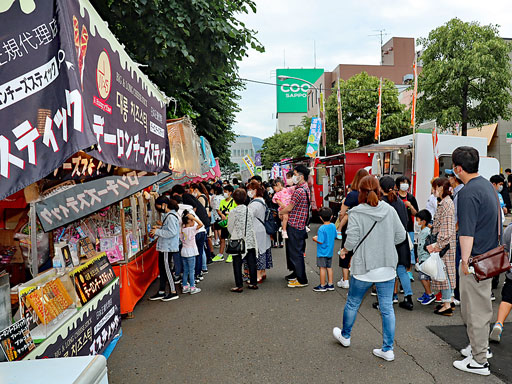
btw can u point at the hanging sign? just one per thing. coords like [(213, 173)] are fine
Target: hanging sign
[(315, 133)]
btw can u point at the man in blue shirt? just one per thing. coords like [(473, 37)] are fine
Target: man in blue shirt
[(324, 250)]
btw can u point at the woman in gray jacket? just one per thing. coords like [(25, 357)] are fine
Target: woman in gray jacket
[(240, 226), (374, 229)]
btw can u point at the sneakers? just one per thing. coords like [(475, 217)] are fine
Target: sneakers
[(291, 277), (439, 297), (295, 284), (374, 290), (170, 296), (219, 257), (492, 296), (336, 332), (319, 288), (285, 235), (411, 276), (388, 355), (194, 290), (496, 332), (157, 296), (420, 299), (395, 298), (186, 289), (329, 287), (466, 352), (428, 299), (471, 366), (229, 259), (343, 284)]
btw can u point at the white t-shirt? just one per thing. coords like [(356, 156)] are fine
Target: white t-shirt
[(378, 275), (190, 209)]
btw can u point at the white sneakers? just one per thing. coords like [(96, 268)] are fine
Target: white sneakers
[(468, 352), (388, 355), (471, 366), (343, 284), (336, 332)]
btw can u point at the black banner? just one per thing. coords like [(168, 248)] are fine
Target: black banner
[(88, 332), (66, 84)]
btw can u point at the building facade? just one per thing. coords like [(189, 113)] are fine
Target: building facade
[(242, 146)]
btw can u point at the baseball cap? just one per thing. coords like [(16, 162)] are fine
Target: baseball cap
[(449, 172)]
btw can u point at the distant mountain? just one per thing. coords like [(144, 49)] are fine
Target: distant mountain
[(256, 141)]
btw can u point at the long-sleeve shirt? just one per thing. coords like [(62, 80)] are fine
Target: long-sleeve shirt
[(237, 220), (169, 234)]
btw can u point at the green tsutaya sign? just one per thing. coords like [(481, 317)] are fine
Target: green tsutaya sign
[(292, 93)]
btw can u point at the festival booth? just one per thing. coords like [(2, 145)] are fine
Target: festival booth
[(82, 146)]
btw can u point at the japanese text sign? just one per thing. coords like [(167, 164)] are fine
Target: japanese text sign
[(315, 132), (16, 341)]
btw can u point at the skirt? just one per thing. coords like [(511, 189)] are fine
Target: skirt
[(264, 260)]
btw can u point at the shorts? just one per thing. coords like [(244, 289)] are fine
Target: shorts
[(324, 262), (506, 292), (424, 276), (224, 233)]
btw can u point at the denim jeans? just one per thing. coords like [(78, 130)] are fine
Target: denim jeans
[(401, 271), (447, 293), (178, 263), (413, 257), (200, 242), (356, 294), (189, 264)]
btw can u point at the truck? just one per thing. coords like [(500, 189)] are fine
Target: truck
[(399, 157)]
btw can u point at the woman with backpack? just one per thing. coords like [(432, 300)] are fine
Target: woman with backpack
[(258, 209)]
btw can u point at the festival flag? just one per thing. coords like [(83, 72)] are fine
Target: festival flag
[(435, 147), (414, 95), (379, 113), (323, 117), (341, 137)]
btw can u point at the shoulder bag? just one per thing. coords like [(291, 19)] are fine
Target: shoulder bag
[(364, 238), (493, 262), (237, 247)]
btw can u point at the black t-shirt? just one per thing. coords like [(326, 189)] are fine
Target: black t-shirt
[(352, 199), (410, 219), (477, 212), (509, 178), (200, 209)]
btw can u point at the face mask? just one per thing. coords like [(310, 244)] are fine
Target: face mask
[(161, 210), (226, 195), (404, 187), (295, 179), (500, 188), (250, 193), (289, 181), (455, 173), (270, 190)]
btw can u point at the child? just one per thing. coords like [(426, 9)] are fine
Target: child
[(190, 225), (423, 218), (325, 240), (282, 197)]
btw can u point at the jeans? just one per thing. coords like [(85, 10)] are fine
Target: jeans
[(447, 293), (401, 271), (250, 257), (356, 294), (178, 263), (164, 268), (189, 264), (200, 242), (206, 251), (413, 257), (295, 248)]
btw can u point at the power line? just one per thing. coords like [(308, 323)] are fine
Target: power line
[(332, 89)]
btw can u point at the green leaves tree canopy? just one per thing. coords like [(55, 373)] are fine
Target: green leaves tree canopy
[(466, 76), (283, 145)]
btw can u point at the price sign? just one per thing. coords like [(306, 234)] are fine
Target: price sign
[(91, 277), (16, 341)]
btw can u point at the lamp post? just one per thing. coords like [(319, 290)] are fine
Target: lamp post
[(283, 78)]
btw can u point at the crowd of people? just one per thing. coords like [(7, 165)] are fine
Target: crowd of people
[(377, 223)]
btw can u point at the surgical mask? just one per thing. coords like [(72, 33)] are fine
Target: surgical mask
[(289, 181), (455, 173), (295, 179), (250, 193), (161, 210), (226, 195), (404, 187), (500, 188)]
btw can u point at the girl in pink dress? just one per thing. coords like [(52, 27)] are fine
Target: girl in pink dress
[(282, 197)]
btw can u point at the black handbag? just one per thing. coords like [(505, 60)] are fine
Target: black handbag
[(432, 239), (237, 247)]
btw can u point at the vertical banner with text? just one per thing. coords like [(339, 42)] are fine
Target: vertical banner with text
[(315, 133)]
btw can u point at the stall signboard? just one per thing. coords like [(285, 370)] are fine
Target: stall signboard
[(81, 200), (292, 93), (66, 85), (16, 341), (91, 277), (315, 133), (89, 331)]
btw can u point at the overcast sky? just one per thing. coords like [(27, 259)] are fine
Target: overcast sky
[(341, 29)]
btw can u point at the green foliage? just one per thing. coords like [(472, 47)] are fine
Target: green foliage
[(359, 101), (192, 49), (285, 144), (466, 75), (229, 169)]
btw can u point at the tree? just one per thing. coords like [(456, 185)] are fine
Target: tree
[(359, 101), (192, 49), (466, 75), (284, 145)]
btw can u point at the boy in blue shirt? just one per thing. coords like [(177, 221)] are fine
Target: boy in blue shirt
[(324, 250)]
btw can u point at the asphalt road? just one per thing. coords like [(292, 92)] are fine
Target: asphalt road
[(277, 335)]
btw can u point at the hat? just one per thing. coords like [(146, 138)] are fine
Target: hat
[(449, 172)]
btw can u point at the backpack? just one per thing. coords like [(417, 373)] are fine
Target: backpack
[(270, 224)]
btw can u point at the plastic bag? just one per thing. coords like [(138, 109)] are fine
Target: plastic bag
[(434, 267)]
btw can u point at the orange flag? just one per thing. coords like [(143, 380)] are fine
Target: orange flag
[(379, 113), (435, 148)]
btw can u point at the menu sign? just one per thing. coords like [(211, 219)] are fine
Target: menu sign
[(91, 277), (16, 341)]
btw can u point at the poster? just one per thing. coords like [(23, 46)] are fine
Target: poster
[(315, 133), (89, 331), (67, 85), (16, 341), (91, 277)]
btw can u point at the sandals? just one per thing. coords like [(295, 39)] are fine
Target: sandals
[(252, 286), (237, 290)]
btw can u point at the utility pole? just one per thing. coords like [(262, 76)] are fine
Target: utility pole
[(381, 33), (314, 51)]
